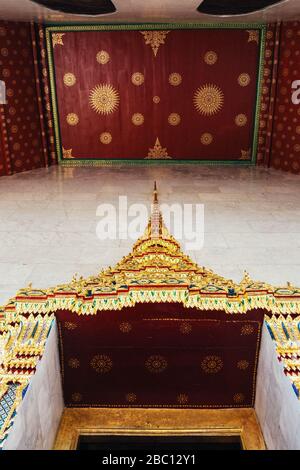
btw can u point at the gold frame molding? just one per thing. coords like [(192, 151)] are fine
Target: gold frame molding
[(153, 422)]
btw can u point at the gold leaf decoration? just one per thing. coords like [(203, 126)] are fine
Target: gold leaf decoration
[(245, 154), (241, 120), (101, 363), (243, 364), (156, 99), (67, 153), (253, 35), (72, 119), (156, 364), (137, 119), (69, 79), (155, 39), (69, 325), (157, 152), (208, 99), (137, 78), (104, 99), (182, 398), (247, 330), (125, 327), (57, 39), (102, 57), (105, 138), (174, 119), (212, 364), (206, 138), (210, 57), (244, 79), (175, 79)]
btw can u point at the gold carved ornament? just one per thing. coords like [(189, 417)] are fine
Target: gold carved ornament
[(245, 154), (69, 79), (208, 99), (67, 153), (72, 119), (253, 35), (101, 363), (155, 39), (174, 119), (212, 364), (137, 78), (244, 79), (105, 138), (57, 39), (156, 364), (175, 79), (156, 99), (102, 57), (137, 119), (157, 152), (210, 57), (104, 99), (240, 120), (206, 138)]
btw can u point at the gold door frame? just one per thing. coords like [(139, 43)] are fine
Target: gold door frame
[(159, 422)]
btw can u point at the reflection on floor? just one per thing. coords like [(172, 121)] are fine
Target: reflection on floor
[(177, 444), (48, 220)]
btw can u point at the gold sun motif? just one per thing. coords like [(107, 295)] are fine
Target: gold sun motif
[(185, 328), (76, 397), (104, 99), (208, 99), (240, 120), (101, 363), (125, 327), (156, 99), (72, 119), (182, 398), (238, 398), (212, 364), (105, 138), (69, 79), (137, 119), (130, 397), (175, 79), (210, 57), (174, 119), (102, 57), (244, 79), (74, 363), (156, 364), (243, 364), (206, 138), (247, 330), (137, 78)]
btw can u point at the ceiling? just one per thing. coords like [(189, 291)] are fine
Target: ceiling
[(141, 11)]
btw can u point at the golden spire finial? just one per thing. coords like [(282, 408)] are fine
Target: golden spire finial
[(155, 215), (155, 199)]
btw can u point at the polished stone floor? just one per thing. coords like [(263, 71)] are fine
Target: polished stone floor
[(48, 220)]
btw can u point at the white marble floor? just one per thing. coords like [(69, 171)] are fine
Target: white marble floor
[(48, 220)]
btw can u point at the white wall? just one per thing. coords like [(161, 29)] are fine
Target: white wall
[(276, 404), (38, 416)]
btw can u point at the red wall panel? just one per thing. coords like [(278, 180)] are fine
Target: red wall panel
[(225, 59)]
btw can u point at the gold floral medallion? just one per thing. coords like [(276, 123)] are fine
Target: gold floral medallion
[(69, 79), (137, 119), (155, 39), (210, 57), (102, 57), (175, 79), (182, 398), (104, 99), (208, 99), (105, 138), (239, 398), (244, 79), (156, 364), (72, 119), (137, 78), (156, 99), (206, 138), (241, 120), (130, 397), (125, 327), (76, 397), (247, 330), (185, 328), (212, 364), (243, 364), (174, 119), (101, 363), (74, 363)]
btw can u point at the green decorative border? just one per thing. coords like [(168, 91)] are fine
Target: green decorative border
[(152, 26)]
